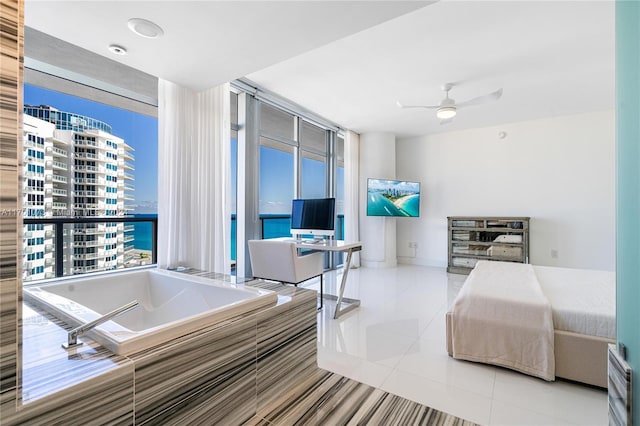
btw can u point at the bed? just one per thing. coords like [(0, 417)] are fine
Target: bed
[(544, 321)]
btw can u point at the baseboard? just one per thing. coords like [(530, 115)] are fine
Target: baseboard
[(420, 261), (379, 264)]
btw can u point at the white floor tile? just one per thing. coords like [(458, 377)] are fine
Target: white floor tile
[(356, 368), (503, 414), (428, 359), (396, 341), (571, 402), (443, 397)]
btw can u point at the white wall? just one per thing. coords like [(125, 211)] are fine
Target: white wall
[(378, 234), (559, 171)]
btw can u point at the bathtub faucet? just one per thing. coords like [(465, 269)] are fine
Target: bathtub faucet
[(72, 337)]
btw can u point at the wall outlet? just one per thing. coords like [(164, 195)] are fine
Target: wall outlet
[(554, 253)]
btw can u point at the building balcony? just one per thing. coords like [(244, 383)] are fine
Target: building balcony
[(31, 160), (94, 243), (48, 275), (85, 269), (90, 181), (32, 203), (49, 248), (92, 169), (87, 206), (90, 231), (128, 166), (122, 174), (129, 228), (48, 234), (59, 152), (86, 143), (89, 193), (48, 262), (60, 166), (129, 156), (57, 192), (128, 248), (59, 179), (27, 234), (128, 187), (33, 190), (59, 206), (33, 174), (87, 256), (129, 238), (88, 156)]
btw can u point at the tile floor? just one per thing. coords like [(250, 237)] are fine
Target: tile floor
[(395, 342)]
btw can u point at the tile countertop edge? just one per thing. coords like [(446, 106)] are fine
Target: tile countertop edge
[(39, 386)]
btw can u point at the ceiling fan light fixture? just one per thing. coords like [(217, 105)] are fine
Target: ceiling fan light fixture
[(446, 112)]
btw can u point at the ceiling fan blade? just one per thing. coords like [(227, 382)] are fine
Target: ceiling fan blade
[(481, 99), (417, 106)]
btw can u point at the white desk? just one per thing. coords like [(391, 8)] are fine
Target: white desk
[(336, 246)]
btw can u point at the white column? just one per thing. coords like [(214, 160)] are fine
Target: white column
[(378, 234)]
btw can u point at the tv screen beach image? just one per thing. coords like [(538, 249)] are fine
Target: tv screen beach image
[(393, 198)]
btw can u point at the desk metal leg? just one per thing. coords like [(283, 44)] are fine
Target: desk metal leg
[(353, 303)]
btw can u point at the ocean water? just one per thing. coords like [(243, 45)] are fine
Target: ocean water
[(274, 226), (142, 233)]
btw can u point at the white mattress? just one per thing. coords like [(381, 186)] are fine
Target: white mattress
[(583, 301)]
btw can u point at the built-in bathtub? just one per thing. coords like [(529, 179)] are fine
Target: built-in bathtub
[(171, 305)]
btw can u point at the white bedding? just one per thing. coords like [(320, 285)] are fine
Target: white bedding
[(583, 301), (502, 317)]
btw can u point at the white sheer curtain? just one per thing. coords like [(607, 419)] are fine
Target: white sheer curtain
[(193, 177), (351, 191)]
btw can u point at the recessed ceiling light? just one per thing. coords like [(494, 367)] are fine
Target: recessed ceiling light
[(145, 28), (118, 50)]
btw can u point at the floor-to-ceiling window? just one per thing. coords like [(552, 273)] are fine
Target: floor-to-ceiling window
[(276, 175), (234, 175), (313, 161), (339, 257), (86, 159), (285, 153)]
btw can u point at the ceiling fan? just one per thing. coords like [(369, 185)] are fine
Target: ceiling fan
[(448, 108)]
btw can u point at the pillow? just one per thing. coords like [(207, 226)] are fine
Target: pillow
[(508, 239)]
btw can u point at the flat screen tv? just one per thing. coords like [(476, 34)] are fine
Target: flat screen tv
[(396, 198), (313, 216)]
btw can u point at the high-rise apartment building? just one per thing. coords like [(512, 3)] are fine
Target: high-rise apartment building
[(74, 166)]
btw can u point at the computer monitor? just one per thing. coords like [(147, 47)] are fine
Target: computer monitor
[(313, 217)]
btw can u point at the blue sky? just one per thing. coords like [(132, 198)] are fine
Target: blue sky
[(138, 130), (141, 132)]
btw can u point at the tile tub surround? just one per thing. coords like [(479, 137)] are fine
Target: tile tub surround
[(215, 374), (170, 304), (11, 73), (84, 384)]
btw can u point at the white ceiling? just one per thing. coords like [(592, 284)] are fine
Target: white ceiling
[(351, 61), (207, 43)]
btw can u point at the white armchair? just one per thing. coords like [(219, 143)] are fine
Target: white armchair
[(278, 260)]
